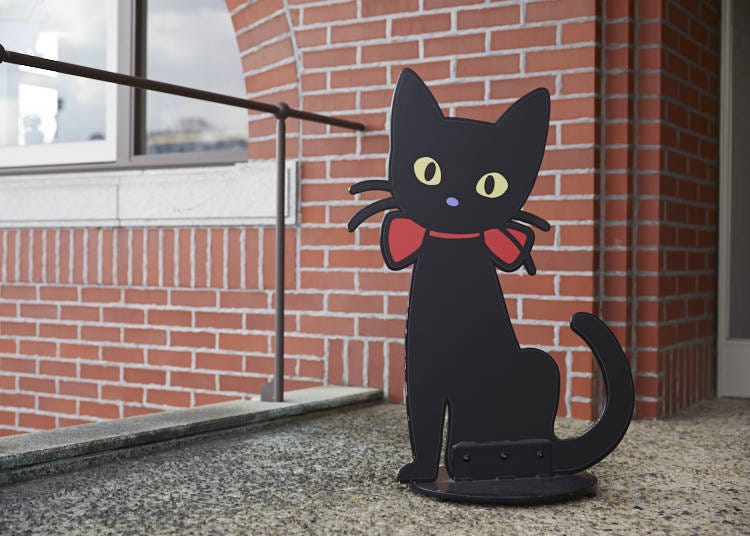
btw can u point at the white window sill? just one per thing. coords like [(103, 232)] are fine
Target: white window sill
[(242, 194)]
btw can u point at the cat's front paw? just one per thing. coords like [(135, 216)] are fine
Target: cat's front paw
[(417, 472)]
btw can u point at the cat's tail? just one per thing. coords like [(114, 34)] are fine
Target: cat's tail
[(576, 454)]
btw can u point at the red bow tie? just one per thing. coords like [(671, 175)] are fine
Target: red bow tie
[(402, 237)]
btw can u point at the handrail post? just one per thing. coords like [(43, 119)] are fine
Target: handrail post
[(273, 391)]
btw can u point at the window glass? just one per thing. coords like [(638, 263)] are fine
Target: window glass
[(42, 108), (192, 43)]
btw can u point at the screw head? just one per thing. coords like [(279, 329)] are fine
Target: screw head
[(467, 458), (539, 454), (503, 456)]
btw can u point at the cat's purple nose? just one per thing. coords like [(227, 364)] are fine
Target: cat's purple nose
[(451, 202)]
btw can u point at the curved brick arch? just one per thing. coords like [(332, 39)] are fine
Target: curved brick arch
[(267, 52)]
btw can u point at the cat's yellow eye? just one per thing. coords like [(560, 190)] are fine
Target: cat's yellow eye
[(492, 185), (427, 171)]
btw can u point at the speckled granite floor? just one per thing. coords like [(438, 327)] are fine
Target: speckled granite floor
[(334, 474)]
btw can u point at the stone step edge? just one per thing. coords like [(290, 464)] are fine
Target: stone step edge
[(84, 442)]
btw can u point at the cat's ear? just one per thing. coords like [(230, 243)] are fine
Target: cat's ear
[(524, 126), (413, 103)]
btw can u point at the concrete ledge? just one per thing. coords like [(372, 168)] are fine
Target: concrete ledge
[(55, 451)]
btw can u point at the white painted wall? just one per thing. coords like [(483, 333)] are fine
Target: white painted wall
[(243, 194)]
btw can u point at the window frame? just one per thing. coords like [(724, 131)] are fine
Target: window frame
[(129, 124)]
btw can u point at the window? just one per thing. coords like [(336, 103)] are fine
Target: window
[(51, 119), (207, 59), (77, 152), (45, 117)]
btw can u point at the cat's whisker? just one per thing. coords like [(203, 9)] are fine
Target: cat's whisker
[(528, 263), (370, 186), (371, 210), (531, 219)]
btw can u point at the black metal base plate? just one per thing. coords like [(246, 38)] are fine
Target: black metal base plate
[(541, 489)]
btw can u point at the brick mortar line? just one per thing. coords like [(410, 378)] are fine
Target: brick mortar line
[(691, 16), (681, 105), (240, 7), (212, 350), (488, 52), (30, 259), (17, 255), (427, 12), (160, 260), (4, 268), (676, 150), (99, 383), (264, 70), (115, 256), (662, 147), (472, 55), (207, 263), (278, 38), (703, 48), (557, 97), (305, 334), (256, 23)]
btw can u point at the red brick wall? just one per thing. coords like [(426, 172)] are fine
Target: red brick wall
[(659, 194), (103, 323), (688, 192)]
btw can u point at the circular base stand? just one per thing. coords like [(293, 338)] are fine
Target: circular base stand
[(540, 489)]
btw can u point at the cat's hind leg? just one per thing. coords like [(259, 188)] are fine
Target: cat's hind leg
[(534, 389), (426, 417)]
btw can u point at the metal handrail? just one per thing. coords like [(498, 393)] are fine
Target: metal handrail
[(139, 82), (273, 390)]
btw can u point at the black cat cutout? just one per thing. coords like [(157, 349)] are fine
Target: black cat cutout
[(457, 187)]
